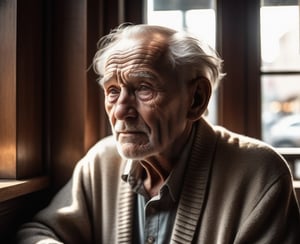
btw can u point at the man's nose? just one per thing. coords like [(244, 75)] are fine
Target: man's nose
[(125, 106)]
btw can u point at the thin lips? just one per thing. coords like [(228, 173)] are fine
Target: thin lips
[(127, 128), (129, 132)]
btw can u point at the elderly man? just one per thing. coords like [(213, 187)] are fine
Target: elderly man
[(167, 175)]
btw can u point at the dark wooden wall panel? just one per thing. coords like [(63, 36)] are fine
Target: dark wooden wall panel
[(111, 15), (134, 11), (77, 114), (97, 125), (233, 49), (30, 67), (15, 212), (8, 13), (21, 67), (68, 86), (238, 44)]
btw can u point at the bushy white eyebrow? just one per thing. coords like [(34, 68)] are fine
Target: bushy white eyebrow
[(138, 74), (142, 74), (105, 79)]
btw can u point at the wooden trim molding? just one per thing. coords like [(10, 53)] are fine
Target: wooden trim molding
[(21, 88), (10, 189)]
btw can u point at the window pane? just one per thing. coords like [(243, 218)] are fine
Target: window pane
[(201, 17), (280, 38), (171, 19), (197, 17), (281, 110)]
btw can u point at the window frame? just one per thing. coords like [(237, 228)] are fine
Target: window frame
[(241, 111), (21, 90)]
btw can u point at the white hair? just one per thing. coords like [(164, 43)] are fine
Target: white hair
[(183, 51)]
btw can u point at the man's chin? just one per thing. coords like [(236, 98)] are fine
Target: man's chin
[(129, 151)]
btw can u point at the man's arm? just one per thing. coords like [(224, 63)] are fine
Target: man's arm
[(275, 218), (65, 220)]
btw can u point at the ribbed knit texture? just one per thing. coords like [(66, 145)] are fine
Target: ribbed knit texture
[(191, 200), (193, 192), (125, 214)]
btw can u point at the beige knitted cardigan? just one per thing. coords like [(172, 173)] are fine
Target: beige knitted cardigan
[(236, 190)]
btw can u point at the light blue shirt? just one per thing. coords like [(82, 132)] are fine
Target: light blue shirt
[(155, 216)]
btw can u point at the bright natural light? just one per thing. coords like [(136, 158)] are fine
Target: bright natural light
[(280, 90), (280, 37)]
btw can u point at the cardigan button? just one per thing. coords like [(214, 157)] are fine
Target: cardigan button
[(151, 210), (132, 181), (150, 240)]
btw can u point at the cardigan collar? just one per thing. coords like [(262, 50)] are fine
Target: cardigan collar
[(133, 171), (192, 199)]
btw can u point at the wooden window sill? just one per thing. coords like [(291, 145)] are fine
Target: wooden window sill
[(10, 189), (297, 184), (289, 151)]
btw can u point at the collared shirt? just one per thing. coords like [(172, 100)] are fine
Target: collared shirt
[(156, 215)]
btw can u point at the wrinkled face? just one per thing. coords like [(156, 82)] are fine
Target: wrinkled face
[(146, 104)]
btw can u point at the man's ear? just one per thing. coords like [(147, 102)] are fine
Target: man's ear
[(201, 92)]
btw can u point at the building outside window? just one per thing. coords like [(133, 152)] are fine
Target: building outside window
[(280, 73)]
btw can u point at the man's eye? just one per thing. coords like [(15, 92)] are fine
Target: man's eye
[(112, 94), (145, 92)]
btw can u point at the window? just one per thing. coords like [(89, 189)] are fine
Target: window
[(280, 73), (280, 78), (259, 42)]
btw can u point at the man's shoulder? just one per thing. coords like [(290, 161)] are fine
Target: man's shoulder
[(102, 158), (248, 151), (242, 143), (105, 145), (104, 150)]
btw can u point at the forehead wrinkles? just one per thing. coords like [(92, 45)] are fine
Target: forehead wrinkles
[(142, 55)]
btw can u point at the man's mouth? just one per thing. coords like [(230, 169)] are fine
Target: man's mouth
[(129, 136)]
